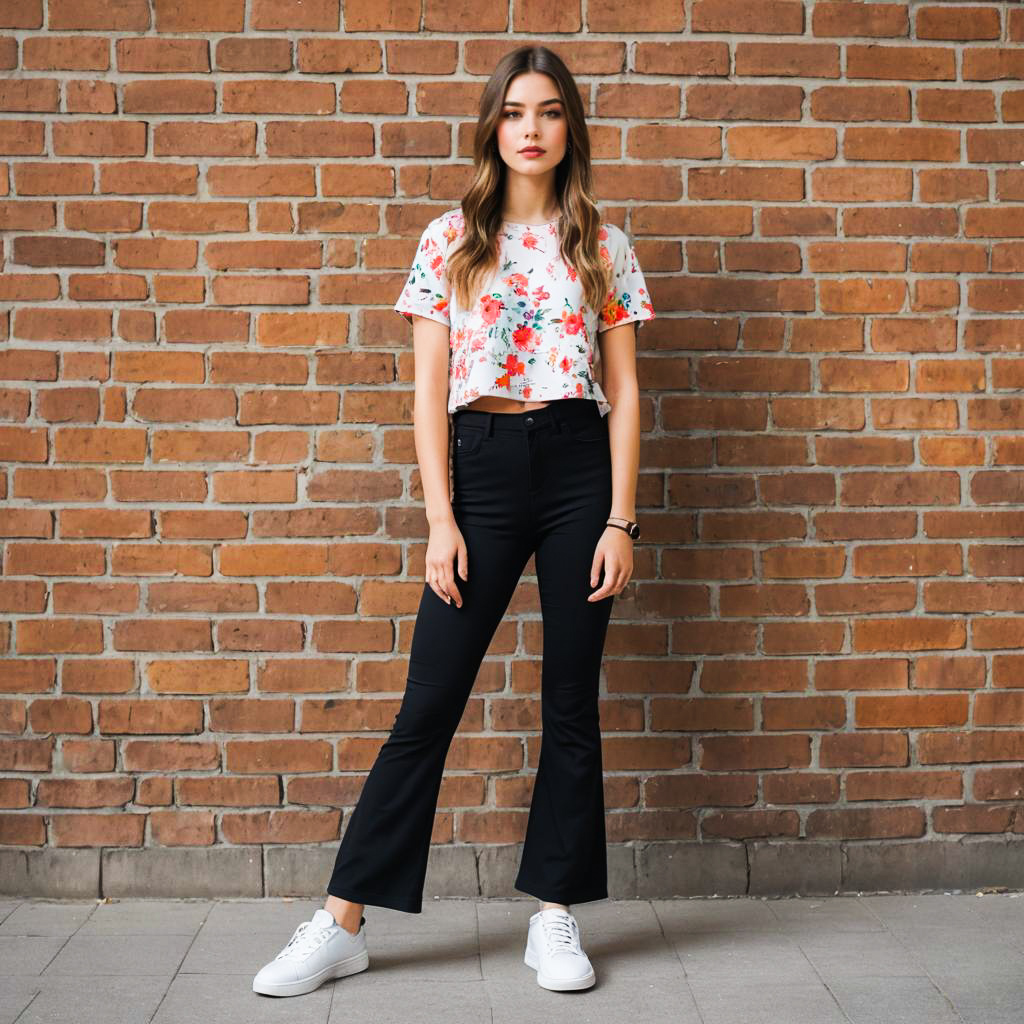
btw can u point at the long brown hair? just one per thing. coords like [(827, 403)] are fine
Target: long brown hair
[(473, 261)]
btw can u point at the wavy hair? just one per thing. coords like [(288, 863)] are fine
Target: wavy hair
[(471, 264)]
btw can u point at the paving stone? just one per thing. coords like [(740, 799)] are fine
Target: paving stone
[(759, 1000), (900, 958), (114, 999), (888, 1000)]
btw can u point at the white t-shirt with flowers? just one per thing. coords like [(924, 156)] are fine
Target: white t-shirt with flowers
[(529, 335)]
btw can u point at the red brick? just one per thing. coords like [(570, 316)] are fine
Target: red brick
[(27, 216), (66, 53), (282, 97), (100, 216), (287, 15), (250, 290), (91, 97), (131, 177), (36, 95), (29, 287), (162, 56), (773, 17), (257, 54), (161, 253), (21, 138), (341, 56), (125, 16), (199, 16), (21, 14), (263, 254), (99, 138), (197, 217), (186, 325), (63, 251), (49, 179), (107, 287), (313, 138), (261, 180), (168, 96), (219, 138)]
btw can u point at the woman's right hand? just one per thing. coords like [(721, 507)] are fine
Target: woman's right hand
[(445, 546)]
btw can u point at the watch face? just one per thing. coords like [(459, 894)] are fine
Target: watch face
[(634, 531)]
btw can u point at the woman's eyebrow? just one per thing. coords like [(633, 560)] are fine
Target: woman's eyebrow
[(516, 103)]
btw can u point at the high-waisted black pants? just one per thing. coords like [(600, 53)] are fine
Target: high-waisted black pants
[(537, 482)]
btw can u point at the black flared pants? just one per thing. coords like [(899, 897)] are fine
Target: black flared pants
[(537, 482)]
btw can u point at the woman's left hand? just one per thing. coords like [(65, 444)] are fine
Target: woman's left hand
[(615, 552)]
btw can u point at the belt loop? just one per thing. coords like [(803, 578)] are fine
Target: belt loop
[(560, 422), (490, 423)]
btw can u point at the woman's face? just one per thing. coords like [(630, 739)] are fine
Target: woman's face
[(532, 115)]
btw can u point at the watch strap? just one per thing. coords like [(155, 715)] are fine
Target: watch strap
[(632, 528)]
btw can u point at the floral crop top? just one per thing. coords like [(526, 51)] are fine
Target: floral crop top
[(529, 335)]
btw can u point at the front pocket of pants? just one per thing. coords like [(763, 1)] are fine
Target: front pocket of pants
[(590, 433), (468, 440)]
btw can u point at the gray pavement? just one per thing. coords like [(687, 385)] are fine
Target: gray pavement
[(879, 959)]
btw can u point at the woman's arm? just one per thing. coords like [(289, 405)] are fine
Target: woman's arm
[(619, 383), (614, 552), (446, 547), (430, 415)]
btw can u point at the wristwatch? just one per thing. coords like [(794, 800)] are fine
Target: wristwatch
[(633, 529)]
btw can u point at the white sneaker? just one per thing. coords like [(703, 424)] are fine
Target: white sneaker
[(553, 950), (318, 950)]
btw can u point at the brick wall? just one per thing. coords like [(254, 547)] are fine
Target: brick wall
[(212, 522)]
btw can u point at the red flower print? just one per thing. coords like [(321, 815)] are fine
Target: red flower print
[(490, 308), (526, 339), (454, 228), (573, 322), (518, 283), (436, 263), (530, 335), (513, 366), (614, 311)]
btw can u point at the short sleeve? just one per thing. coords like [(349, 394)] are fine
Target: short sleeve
[(427, 290), (628, 299)]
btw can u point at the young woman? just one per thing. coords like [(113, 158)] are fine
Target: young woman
[(508, 295)]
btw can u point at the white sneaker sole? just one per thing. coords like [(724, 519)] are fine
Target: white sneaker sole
[(352, 965), (558, 984)]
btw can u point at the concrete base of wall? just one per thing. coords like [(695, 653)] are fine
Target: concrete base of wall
[(659, 870)]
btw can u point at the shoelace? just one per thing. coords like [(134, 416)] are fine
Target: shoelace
[(307, 938), (561, 934)]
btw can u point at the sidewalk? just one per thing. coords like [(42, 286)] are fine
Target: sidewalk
[(889, 959)]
